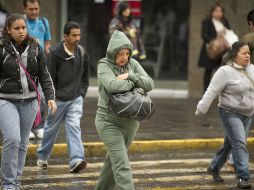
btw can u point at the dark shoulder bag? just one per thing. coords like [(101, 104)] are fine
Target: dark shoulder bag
[(135, 104)]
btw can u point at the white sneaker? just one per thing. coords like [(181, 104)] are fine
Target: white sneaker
[(42, 163), (79, 165), (40, 133), (31, 135)]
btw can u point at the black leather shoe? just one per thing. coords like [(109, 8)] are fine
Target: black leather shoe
[(243, 184), (216, 175)]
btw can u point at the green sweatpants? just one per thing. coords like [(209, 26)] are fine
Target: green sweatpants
[(117, 135)]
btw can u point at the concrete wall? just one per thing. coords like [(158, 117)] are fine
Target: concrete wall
[(50, 9), (235, 12)]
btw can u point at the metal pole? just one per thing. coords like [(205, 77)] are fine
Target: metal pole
[(64, 16)]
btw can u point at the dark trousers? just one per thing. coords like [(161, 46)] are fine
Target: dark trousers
[(207, 78)]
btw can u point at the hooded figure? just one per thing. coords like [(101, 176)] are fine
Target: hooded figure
[(116, 132)]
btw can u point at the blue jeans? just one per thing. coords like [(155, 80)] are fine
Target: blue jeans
[(16, 120), (235, 126), (247, 134), (71, 112)]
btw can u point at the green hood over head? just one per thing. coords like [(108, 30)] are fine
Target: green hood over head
[(117, 42)]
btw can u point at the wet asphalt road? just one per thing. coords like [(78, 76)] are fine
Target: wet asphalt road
[(178, 170), (172, 119)]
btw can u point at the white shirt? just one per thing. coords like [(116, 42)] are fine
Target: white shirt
[(68, 51), (219, 27)]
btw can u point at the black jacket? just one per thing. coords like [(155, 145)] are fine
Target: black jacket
[(10, 82), (209, 33), (70, 75)]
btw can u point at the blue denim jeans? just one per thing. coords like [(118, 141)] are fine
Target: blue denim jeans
[(246, 134), (16, 120), (235, 126), (70, 112)]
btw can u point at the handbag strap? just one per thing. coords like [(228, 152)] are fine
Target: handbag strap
[(244, 73), (19, 62)]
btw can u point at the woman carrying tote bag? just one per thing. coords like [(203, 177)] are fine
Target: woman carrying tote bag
[(213, 25), (117, 73)]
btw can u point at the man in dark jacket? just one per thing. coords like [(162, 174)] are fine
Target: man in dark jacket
[(68, 66)]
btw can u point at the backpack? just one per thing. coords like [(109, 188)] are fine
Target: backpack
[(82, 50), (44, 23)]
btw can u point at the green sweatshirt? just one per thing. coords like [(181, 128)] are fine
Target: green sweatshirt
[(107, 71)]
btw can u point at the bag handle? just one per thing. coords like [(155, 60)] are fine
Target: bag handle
[(38, 119), (244, 73), (19, 62)]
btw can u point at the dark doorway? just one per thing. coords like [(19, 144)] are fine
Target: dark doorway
[(166, 37), (94, 19), (164, 31)]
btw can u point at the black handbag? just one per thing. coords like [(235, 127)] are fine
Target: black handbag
[(135, 104)]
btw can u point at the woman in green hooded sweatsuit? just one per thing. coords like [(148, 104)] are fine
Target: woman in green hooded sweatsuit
[(117, 73)]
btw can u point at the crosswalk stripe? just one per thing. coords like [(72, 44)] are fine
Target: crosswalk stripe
[(138, 163), (204, 187), (144, 172), (142, 164), (140, 171), (140, 180)]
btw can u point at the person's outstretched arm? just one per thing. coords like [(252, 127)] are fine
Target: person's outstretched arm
[(217, 84)]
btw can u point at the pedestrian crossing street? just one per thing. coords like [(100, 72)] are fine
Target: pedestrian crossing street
[(167, 174)]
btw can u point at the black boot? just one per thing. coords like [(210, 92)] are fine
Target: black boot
[(243, 184), (216, 175)]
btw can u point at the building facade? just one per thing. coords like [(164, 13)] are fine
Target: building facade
[(171, 31)]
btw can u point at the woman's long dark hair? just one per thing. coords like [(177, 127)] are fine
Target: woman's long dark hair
[(9, 21), (231, 54)]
